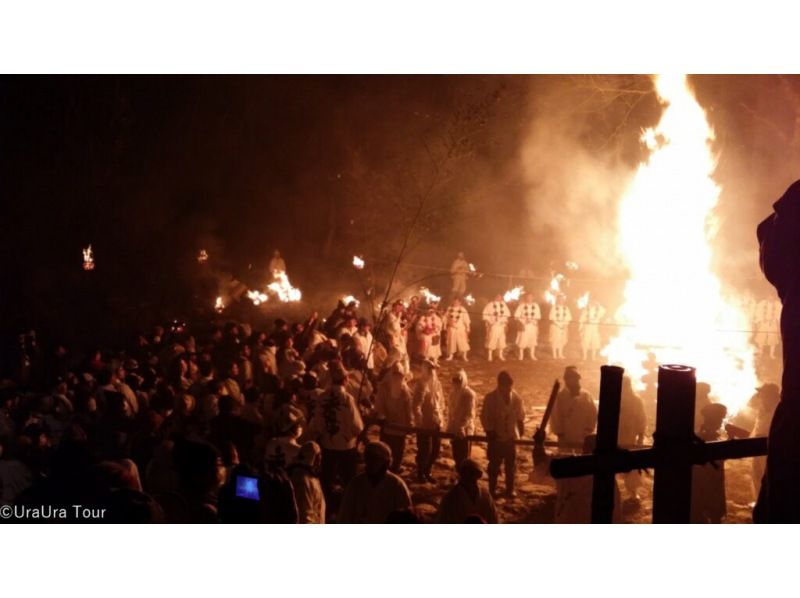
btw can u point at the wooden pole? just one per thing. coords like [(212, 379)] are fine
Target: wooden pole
[(603, 488), (674, 437)]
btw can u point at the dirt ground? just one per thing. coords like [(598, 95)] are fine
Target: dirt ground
[(536, 501)]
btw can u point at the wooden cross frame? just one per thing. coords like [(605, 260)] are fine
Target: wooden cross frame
[(675, 449)]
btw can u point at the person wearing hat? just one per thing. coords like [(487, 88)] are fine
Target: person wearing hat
[(503, 419), (708, 480), (766, 401), (467, 498), (574, 414), (372, 496), (461, 415), (428, 418), (394, 406), (336, 426), (496, 315), (304, 475)]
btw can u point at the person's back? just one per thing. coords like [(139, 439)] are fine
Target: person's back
[(708, 480), (372, 496), (574, 417), (311, 506), (365, 501), (779, 246), (500, 416), (459, 504), (393, 401), (337, 422)]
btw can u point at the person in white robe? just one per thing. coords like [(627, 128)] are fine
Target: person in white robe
[(574, 415), (457, 324), (767, 325), (276, 264), (461, 416), (590, 319), (574, 495), (560, 317), (496, 315), (393, 328), (459, 270), (429, 334), (528, 315), (365, 342)]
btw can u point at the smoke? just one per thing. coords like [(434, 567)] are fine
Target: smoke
[(573, 190)]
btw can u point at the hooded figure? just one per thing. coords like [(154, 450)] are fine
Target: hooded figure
[(461, 412), (303, 473), (779, 243)]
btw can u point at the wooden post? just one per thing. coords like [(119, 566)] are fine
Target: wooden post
[(603, 487), (674, 436)]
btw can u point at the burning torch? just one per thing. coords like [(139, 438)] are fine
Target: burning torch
[(88, 258)]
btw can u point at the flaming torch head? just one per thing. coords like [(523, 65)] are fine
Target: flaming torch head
[(430, 298), (513, 294), (348, 299), (88, 258), (219, 305), (202, 257), (583, 301), (284, 289), (552, 294), (257, 297), (358, 262)]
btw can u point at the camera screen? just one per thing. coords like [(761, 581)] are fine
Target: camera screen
[(247, 487)]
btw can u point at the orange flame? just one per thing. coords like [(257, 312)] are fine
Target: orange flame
[(88, 258), (676, 304)]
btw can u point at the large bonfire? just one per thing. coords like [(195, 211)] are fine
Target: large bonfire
[(674, 304)]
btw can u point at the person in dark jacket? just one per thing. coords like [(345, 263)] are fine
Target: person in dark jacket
[(779, 244)]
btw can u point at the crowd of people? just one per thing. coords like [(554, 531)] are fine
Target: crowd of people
[(226, 423), (307, 421)]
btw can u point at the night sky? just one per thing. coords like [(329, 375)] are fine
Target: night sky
[(151, 169)]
